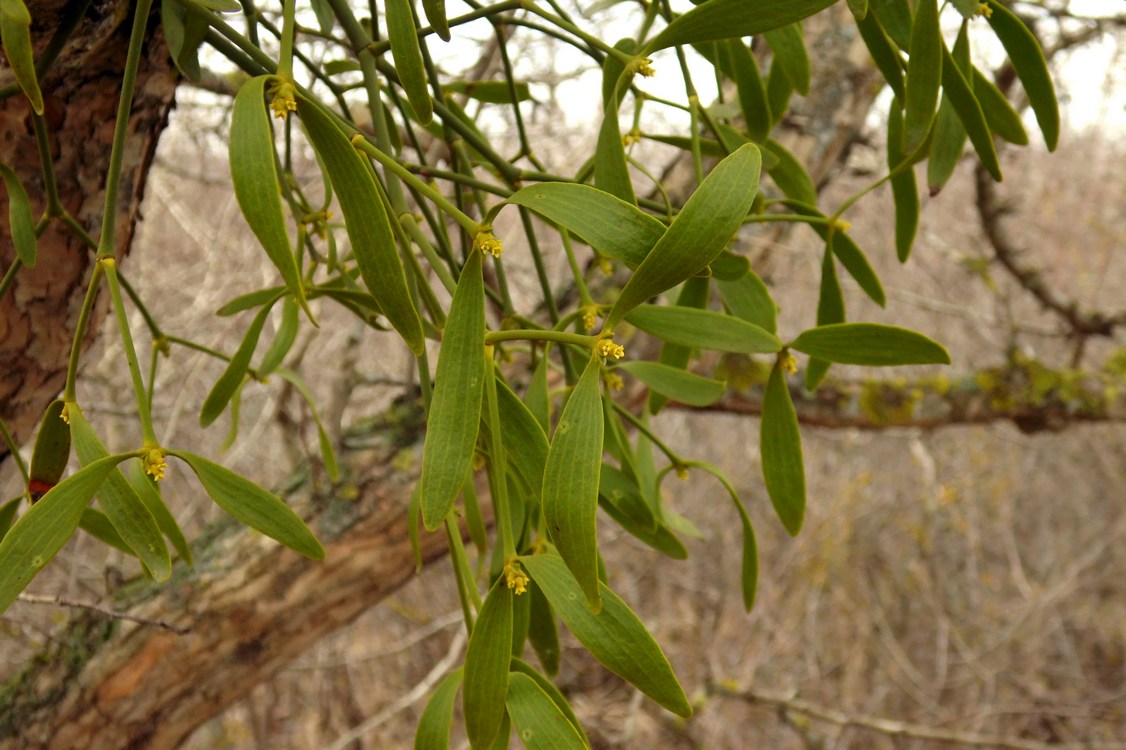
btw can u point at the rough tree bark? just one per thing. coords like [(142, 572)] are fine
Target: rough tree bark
[(39, 314), (250, 606)]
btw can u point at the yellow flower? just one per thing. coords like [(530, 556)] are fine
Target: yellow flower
[(590, 317), (633, 136), (64, 415), (155, 463), (515, 577), (841, 225), (607, 348), (789, 363), (681, 472), (645, 68), (983, 9), (487, 243), (613, 380), (284, 99), (604, 265)]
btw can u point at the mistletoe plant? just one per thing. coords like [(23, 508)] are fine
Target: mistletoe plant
[(552, 456)]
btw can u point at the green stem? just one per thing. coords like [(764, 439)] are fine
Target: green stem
[(14, 452), (285, 57), (584, 295), (498, 465), (69, 392), (121, 128), (529, 334), (644, 429), (110, 269), (360, 142)]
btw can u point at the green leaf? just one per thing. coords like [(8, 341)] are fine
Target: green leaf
[(698, 233), (328, 455), (788, 44), (610, 225), (235, 371), (830, 309), (435, 11), (250, 300), (486, 667), (779, 91), (610, 171), (947, 144), (728, 266), (751, 89), (543, 632), (455, 410), (433, 732), (283, 339), (255, 178), (146, 489), (780, 447), (849, 254), (126, 511), (184, 32), (1031, 67), (621, 498), (523, 668), (728, 19), (15, 28), (968, 8), (570, 481), (21, 224), (51, 453), (904, 190), (539, 722), (695, 292), (704, 329), (260, 510), (870, 344), (677, 384), (859, 8), (490, 92), (962, 99), (97, 524), (326, 19), (614, 636), (749, 577), (405, 49), (42, 531), (8, 515), (749, 299), (895, 17), (883, 52), (924, 75), (366, 220), (999, 113), (524, 438), (790, 176)]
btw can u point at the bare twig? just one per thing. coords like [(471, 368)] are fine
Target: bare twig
[(415, 694), (894, 728), (991, 210), (62, 601)]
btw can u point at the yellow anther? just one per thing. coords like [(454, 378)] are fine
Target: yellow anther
[(607, 348), (284, 99), (487, 243), (613, 381), (515, 577), (155, 464)]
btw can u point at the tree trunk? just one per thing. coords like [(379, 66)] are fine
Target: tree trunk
[(38, 315), (249, 606)]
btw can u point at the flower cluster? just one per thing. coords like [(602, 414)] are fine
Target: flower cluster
[(155, 464), (607, 348), (590, 317), (284, 99), (515, 577), (487, 243)]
